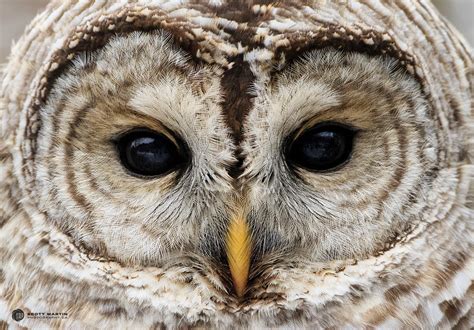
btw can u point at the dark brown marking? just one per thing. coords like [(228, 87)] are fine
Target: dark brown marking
[(236, 83), (400, 169), (95, 186), (398, 291), (158, 326), (449, 270), (69, 156), (451, 308), (238, 100), (463, 323)]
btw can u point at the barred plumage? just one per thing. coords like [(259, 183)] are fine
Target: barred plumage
[(385, 239)]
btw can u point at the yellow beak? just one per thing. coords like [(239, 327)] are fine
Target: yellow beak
[(238, 248)]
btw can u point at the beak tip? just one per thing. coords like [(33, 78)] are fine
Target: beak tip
[(240, 291)]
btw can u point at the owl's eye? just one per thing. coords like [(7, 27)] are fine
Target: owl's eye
[(323, 147), (148, 153)]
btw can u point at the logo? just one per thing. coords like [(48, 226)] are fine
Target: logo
[(18, 315)]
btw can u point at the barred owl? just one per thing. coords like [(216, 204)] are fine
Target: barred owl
[(237, 164)]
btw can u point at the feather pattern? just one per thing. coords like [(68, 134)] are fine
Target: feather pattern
[(385, 242)]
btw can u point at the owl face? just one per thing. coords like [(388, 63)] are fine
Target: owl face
[(237, 164), (362, 202), (141, 163), (137, 89)]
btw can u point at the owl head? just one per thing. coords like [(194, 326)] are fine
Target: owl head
[(220, 163)]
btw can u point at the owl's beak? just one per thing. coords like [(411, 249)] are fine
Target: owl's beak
[(238, 249)]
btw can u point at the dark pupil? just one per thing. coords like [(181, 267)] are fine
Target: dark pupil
[(323, 147), (149, 153)]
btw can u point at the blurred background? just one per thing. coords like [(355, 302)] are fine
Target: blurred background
[(15, 15)]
